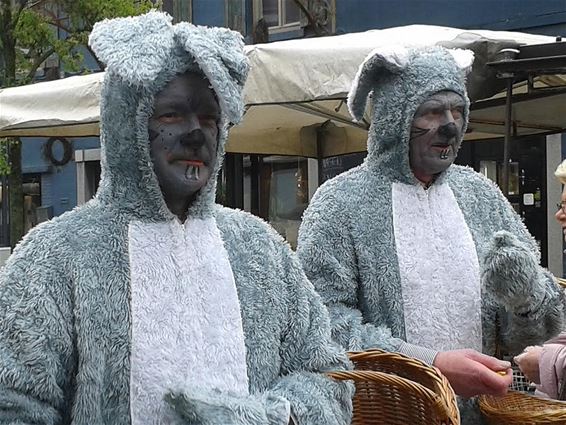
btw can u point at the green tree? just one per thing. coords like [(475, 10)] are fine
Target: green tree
[(31, 31)]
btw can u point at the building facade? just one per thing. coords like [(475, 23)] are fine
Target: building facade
[(278, 188)]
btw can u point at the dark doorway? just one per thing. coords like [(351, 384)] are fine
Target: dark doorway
[(527, 178)]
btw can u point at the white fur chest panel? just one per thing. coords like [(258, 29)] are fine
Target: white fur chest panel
[(439, 268), (186, 323)]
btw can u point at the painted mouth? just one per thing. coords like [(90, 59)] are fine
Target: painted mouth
[(192, 173), (443, 150), (193, 168)]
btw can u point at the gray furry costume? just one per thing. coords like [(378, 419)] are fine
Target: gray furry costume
[(117, 313), (417, 270)]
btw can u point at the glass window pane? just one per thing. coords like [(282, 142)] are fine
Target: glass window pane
[(489, 169), (513, 178), (271, 12), (168, 6), (292, 12), (284, 193), (235, 15), (184, 10), (31, 187)]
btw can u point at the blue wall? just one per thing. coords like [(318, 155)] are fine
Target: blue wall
[(209, 12), (520, 15), (58, 184), (542, 16)]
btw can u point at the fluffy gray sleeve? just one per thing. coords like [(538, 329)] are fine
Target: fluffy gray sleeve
[(327, 253), (531, 302), (301, 391), (306, 351), (36, 346)]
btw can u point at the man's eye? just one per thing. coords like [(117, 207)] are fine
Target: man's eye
[(170, 117), (208, 120), (457, 113)]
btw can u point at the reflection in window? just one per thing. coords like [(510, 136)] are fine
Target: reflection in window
[(32, 199), (235, 15), (281, 191), (513, 171), (278, 13), (180, 10), (292, 13), (270, 9), (489, 169), (334, 165)]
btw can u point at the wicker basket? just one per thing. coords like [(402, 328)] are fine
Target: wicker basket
[(521, 407), (518, 408), (561, 282), (392, 389)]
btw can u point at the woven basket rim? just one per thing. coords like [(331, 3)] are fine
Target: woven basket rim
[(444, 395), (556, 410)]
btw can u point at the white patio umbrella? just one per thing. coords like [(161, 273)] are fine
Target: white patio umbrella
[(295, 94)]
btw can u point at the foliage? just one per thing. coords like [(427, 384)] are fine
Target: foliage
[(42, 28), (33, 32), (4, 161)]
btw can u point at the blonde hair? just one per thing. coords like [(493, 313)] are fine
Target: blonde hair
[(560, 172)]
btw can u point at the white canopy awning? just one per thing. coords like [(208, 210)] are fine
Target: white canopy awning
[(294, 88)]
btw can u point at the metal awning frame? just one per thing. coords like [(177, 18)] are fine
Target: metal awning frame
[(530, 61)]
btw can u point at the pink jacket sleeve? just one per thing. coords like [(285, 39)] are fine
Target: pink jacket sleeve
[(551, 366)]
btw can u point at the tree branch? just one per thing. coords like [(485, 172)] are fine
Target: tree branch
[(38, 61), (312, 22), (57, 23), (37, 3), (24, 5)]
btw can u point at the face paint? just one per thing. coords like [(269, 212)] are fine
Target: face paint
[(436, 134), (183, 132)]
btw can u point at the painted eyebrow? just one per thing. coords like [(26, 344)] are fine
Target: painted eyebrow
[(196, 104), (458, 102)]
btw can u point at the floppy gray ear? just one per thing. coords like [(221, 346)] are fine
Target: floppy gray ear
[(219, 53), (464, 59), (379, 63), (135, 48)]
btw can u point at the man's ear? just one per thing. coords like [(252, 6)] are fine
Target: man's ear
[(379, 64), (135, 48)]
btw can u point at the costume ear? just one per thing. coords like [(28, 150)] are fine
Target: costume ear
[(135, 48), (219, 53), (379, 64), (464, 59)]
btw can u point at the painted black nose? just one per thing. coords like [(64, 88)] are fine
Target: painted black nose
[(195, 139), (448, 130)]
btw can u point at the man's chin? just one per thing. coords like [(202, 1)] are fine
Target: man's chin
[(438, 165), (196, 181)]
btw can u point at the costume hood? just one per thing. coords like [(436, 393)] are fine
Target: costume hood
[(398, 80), (142, 55)]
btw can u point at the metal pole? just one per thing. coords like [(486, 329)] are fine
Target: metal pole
[(5, 227), (508, 135)]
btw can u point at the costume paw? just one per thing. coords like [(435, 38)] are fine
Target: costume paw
[(511, 272), (212, 407)]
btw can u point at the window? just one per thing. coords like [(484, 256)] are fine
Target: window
[(31, 186), (235, 15), (276, 188), (180, 10), (280, 13)]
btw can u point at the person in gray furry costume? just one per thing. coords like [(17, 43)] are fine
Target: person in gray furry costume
[(416, 255), (137, 309)]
